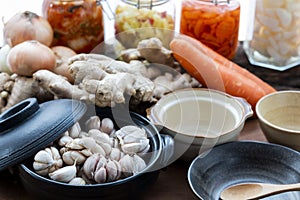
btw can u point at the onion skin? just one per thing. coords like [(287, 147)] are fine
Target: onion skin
[(63, 54), (30, 56), (27, 26)]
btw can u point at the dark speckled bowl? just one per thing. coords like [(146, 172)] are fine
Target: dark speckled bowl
[(244, 161)]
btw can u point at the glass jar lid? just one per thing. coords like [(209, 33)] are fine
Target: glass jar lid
[(216, 2), (145, 3)]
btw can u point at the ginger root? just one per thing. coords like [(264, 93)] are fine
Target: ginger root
[(110, 83), (59, 86), (101, 80), (168, 83), (113, 66), (95, 85), (15, 88), (153, 51)]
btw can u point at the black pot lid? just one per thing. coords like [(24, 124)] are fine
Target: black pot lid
[(28, 127)]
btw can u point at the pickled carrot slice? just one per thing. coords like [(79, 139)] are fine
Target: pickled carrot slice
[(215, 26)]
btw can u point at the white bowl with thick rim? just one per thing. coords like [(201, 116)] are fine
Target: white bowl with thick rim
[(199, 119), (279, 117)]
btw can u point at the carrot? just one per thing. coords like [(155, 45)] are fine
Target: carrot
[(225, 62), (215, 75)]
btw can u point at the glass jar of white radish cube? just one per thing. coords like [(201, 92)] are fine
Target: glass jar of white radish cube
[(276, 36)]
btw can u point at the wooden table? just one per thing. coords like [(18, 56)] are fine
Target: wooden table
[(172, 182)]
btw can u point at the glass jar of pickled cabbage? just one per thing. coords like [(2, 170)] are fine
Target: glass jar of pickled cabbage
[(275, 43), (134, 20), (77, 24), (213, 22)]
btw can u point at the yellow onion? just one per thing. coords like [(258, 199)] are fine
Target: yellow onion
[(3, 59), (27, 26), (63, 54), (29, 56)]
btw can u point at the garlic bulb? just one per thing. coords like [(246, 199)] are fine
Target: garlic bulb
[(133, 139), (47, 161)]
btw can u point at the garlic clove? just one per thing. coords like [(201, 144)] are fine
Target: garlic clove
[(37, 166), (112, 171), (131, 138), (65, 174), (93, 122), (132, 148), (115, 154), (133, 130), (75, 130), (43, 172), (87, 142), (107, 125), (119, 169), (90, 164), (139, 164), (77, 181), (56, 157), (106, 147), (64, 140), (75, 144), (86, 152), (98, 149), (83, 134), (100, 175), (101, 162), (127, 165), (99, 136), (70, 157)]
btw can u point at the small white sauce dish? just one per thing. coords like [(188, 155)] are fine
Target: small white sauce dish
[(199, 118), (279, 117)]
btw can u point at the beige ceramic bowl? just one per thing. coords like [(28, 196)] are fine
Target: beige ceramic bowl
[(279, 117), (199, 119)]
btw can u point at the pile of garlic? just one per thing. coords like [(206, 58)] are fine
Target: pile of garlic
[(96, 154), (276, 36)]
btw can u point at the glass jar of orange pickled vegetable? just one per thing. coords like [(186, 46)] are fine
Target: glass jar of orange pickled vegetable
[(77, 24), (213, 22), (134, 20)]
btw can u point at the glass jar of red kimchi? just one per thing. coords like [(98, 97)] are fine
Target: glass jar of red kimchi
[(213, 22), (77, 24)]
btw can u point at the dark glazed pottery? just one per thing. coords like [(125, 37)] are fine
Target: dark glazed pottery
[(28, 127), (244, 161), (128, 188)]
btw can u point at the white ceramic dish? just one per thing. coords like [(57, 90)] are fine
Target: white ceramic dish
[(279, 117), (199, 119)]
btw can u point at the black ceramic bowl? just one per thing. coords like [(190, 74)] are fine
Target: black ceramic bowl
[(128, 188), (244, 161)]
